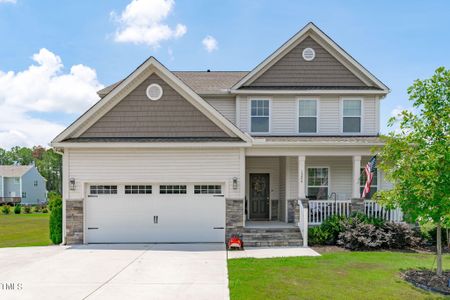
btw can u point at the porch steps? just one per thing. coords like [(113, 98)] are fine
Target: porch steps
[(272, 237)]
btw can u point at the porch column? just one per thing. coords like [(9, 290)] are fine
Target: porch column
[(301, 178), (356, 174)]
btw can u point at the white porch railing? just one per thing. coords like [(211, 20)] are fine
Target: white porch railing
[(320, 210), (303, 222), (373, 209)]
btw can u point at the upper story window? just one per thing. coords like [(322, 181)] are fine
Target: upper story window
[(260, 116), (351, 116), (35, 183), (307, 116), (17, 180)]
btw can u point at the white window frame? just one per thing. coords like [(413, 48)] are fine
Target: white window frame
[(372, 185), (250, 115), (341, 113), (317, 99), (307, 178)]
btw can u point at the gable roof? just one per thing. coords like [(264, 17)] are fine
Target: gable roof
[(311, 30), (201, 82), (14, 171), (150, 66)]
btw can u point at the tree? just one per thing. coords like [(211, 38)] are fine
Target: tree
[(416, 157)]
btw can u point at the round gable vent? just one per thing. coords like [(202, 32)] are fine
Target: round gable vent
[(154, 92), (308, 54)]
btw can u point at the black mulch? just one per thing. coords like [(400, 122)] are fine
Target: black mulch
[(428, 280)]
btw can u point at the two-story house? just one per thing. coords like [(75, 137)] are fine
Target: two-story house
[(22, 184), (196, 156)]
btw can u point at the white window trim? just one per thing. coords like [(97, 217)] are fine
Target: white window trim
[(341, 115), (317, 99), (307, 178), (250, 99)]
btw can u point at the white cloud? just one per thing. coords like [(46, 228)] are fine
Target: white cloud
[(142, 22), (8, 1), (210, 43), (44, 88)]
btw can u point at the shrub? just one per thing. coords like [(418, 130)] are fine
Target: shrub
[(56, 221), (17, 209), (6, 209), (318, 236), (53, 199), (37, 209), (360, 235), (27, 209), (327, 233), (45, 210)]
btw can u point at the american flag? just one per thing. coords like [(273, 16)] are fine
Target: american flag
[(370, 169)]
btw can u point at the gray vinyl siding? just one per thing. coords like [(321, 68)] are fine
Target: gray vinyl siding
[(293, 70), (12, 188), (170, 116), (226, 106), (284, 114), (1, 186), (34, 194)]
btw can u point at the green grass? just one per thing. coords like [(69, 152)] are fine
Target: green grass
[(24, 230), (339, 275)]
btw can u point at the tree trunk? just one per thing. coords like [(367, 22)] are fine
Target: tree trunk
[(439, 249)]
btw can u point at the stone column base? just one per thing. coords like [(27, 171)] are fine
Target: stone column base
[(74, 222), (234, 217)]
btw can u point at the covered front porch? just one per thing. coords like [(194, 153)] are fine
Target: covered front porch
[(275, 183)]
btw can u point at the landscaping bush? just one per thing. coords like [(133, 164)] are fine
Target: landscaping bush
[(27, 209), (56, 220), (45, 210), (6, 209), (360, 235), (37, 209), (17, 209), (327, 233)]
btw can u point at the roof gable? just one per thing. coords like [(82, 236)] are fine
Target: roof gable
[(14, 170), (125, 87), (286, 67), (171, 116)]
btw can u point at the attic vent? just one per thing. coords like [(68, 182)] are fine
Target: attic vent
[(154, 92), (308, 54)]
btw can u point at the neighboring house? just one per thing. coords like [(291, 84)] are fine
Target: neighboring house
[(196, 156), (22, 184)]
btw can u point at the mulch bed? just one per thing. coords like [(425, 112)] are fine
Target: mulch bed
[(428, 280)]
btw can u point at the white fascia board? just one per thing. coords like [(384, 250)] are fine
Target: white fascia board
[(313, 144), (307, 92), (151, 145)]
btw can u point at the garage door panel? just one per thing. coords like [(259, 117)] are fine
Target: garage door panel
[(125, 218)]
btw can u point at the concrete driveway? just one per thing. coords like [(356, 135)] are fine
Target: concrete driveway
[(161, 271)]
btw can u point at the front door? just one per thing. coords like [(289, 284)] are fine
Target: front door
[(259, 196)]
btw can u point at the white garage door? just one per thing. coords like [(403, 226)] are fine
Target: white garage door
[(155, 213)]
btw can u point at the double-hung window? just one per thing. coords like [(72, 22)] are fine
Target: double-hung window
[(307, 116), (318, 183), (260, 116), (351, 116), (373, 185)]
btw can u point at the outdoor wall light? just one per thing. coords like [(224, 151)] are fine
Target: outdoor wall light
[(72, 184), (235, 183)]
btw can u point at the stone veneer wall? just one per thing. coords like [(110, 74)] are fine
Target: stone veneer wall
[(74, 222), (275, 215), (293, 211), (234, 217)]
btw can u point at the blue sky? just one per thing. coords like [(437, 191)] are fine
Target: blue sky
[(398, 41)]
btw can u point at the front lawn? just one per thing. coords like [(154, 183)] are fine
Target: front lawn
[(24, 230), (338, 275)]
